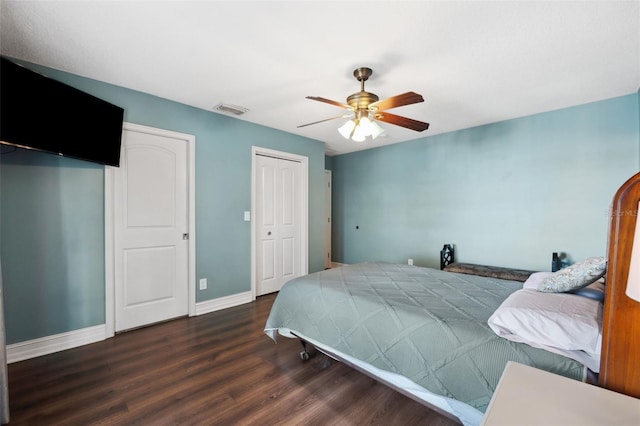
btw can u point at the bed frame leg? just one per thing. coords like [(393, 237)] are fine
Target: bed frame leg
[(304, 355)]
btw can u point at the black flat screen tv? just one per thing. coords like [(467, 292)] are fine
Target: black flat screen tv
[(40, 113)]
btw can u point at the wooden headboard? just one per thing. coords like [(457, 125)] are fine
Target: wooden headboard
[(620, 358)]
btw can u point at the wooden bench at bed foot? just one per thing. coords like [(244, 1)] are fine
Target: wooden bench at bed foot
[(489, 271)]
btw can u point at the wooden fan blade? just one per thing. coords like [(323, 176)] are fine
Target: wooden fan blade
[(397, 101), (329, 101), (326, 119), (409, 123)]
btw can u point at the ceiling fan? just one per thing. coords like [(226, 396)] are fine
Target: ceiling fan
[(365, 108)]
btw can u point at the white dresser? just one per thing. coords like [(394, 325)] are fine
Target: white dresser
[(526, 396)]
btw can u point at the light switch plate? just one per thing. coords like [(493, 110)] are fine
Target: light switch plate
[(247, 216)]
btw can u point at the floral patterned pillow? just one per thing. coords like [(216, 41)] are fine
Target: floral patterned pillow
[(576, 276)]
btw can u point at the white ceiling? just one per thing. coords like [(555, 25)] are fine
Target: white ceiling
[(475, 62)]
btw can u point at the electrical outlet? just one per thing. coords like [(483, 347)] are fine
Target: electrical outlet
[(203, 283), (410, 262)]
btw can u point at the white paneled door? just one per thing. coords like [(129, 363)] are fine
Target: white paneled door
[(151, 228), (278, 191)]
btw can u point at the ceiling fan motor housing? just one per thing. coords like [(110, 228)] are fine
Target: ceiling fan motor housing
[(361, 100)]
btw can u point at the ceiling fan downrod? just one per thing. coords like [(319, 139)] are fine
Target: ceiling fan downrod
[(362, 99)]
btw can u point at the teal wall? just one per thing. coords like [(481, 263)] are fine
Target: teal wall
[(328, 162), (52, 222), (506, 194), (52, 213)]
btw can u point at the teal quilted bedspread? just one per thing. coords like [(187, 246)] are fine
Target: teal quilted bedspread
[(425, 324)]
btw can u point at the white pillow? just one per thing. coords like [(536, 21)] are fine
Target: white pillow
[(535, 279), (562, 323), (576, 276)]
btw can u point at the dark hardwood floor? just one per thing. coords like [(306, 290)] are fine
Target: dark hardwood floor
[(214, 369)]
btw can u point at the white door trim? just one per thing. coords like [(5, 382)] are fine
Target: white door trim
[(109, 224), (328, 179), (304, 208)]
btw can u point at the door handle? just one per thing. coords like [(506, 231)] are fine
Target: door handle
[(269, 233)]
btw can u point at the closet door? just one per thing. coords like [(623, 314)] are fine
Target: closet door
[(278, 201)]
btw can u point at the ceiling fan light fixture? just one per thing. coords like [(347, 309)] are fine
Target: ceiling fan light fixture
[(358, 129), (360, 132), (375, 129), (346, 129), (358, 138)]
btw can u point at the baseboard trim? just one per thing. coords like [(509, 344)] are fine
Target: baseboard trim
[(72, 339), (223, 303), (55, 343)]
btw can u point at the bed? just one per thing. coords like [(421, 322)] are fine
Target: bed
[(433, 335)]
